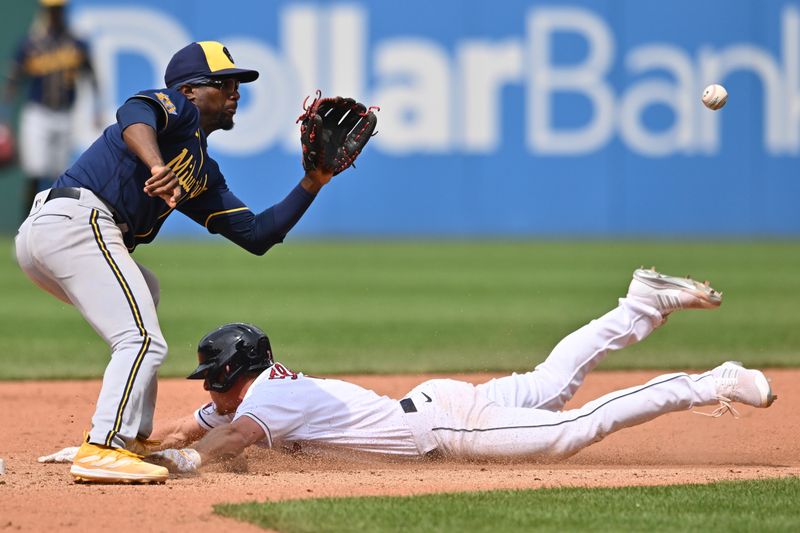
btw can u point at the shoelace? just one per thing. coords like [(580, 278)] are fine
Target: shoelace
[(724, 407)]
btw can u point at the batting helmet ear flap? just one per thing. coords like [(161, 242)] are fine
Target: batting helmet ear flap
[(264, 348)]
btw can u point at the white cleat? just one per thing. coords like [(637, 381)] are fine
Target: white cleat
[(669, 293), (736, 383)]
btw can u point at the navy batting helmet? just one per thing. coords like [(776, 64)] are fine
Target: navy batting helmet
[(229, 352)]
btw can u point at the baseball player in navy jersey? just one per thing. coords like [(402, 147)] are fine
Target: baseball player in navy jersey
[(52, 60), (77, 239), (257, 400)]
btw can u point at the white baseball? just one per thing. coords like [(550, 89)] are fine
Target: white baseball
[(715, 96)]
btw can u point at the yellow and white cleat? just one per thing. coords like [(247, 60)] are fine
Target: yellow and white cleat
[(100, 464)]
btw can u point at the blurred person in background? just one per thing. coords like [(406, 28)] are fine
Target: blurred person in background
[(51, 60)]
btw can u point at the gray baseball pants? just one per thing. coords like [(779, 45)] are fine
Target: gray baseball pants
[(73, 249)]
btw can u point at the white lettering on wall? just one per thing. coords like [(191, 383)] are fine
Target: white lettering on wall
[(586, 78), (413, 88), (271, 96), (441, 101), (485, 69), (790, 49), (679, 95)]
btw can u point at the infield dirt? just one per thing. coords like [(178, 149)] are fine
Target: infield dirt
[(37, 418)]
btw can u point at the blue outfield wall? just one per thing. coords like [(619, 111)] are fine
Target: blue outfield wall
[(558, 118)]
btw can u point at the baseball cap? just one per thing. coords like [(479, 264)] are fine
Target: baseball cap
[(52, 3), (204, 59)]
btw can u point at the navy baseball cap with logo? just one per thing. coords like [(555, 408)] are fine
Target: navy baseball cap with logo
[(204, 59)]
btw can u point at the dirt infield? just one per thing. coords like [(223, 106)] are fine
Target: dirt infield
[(41, 417)]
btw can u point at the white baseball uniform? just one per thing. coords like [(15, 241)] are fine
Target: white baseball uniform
[(514, 416)]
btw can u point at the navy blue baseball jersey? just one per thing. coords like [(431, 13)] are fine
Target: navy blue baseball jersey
[(117, 175), (52, 62)]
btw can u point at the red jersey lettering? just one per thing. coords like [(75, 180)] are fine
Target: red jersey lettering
[(278, 371)]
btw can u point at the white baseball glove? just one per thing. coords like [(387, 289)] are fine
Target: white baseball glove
[(67, 455), (183, 461)]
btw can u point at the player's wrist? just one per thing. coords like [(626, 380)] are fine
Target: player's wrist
[(312, 184)]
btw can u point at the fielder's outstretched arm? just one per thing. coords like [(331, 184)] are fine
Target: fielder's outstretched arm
[(220, 211), (225, 214), (144, 122)]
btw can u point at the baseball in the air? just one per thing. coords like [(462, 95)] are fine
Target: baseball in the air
[(715, 96)]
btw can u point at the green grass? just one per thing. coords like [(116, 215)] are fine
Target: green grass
[(746, 506), (409, 307)]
